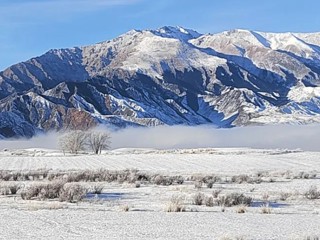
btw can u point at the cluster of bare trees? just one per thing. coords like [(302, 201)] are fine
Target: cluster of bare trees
[(77, 141)]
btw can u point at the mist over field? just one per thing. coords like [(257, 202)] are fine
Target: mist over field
[(285, 136), (167, 137)]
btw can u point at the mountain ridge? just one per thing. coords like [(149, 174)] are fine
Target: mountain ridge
[(171, 75)]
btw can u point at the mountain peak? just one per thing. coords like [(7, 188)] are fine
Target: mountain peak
[(176, 32)]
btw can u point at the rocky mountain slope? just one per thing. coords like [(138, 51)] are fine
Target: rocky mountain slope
[(167, 76)]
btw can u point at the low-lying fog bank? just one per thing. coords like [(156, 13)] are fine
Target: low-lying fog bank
[(168, 137)]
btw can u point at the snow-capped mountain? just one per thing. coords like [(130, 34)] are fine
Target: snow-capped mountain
[(168, 76)]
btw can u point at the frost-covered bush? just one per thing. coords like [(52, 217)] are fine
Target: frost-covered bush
[(208, 201), (312, 193), (216, 193), (233, 199), (176, 205), (198, 199), (284, 196), (72, 193), (162, 180), (198, 184), (42, 191), (96, 189)]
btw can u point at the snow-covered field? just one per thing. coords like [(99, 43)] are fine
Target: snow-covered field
[(218, 161), (288, 173)]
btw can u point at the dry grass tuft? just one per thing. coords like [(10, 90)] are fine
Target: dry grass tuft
[(266, 209), (284, 196), (125, 208), (33, 206), (176, 205), (242, 209)]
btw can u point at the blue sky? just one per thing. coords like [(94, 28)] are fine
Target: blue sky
[(31, 27)]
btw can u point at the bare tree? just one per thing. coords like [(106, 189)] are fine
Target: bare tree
[(98, 141), (73, 141)]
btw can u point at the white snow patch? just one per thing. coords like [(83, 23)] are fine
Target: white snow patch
[(303, 94)]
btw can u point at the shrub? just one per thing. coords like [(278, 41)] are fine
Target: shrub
[(208, 201), (261, 174), (284, 196), (10, 189), (198, 199), (97, 189), (14, 188), (30, 192), (198, 184), (210, 183), (136, 175), (304, 175), (205, 179), (312, 238), (216, 193), (179, 179), (162, 180), (271, 180), (101, 175), (72, 193), (176, 205), (246, 179), (137, 184), (4, 191), (51, 190), (211, 179), (241, 179), (5, 176), (233, 199), (43, 191), (312, 193)]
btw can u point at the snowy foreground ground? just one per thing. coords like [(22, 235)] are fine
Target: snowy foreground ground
[(279, 209)]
